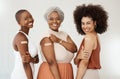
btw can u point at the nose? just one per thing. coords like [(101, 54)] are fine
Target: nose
[(85, 26), (54, 20), (31, 19)]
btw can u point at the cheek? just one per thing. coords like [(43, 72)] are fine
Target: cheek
[(59, 22), (82, 26), (25, 22), (49, 23)]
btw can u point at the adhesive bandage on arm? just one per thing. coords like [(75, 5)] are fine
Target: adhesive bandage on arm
[(23, 42), (47, 44)]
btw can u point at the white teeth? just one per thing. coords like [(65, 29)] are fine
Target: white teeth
[(30, 24), (54, 24), (86, 30)]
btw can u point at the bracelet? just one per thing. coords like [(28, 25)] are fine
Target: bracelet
[(60, 41)]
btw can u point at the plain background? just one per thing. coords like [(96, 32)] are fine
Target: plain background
[(110, 41)]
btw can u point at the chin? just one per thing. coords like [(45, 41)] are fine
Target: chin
[(54, 29)]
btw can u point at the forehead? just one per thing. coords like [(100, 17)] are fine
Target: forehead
[(54, 13), (25, 13), (84, 19)]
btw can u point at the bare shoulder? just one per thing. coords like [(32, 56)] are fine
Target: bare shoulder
[(20, 37), (45, 40), (90, 38)]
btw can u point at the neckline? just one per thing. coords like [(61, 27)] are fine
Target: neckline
[(56, 32), (23, 32)]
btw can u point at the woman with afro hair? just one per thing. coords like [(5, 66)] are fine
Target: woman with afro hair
[(90, 20)]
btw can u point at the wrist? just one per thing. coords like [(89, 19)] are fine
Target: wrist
[(60, 41)]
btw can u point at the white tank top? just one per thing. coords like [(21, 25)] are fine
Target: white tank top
[(18, 71), (62, 55)]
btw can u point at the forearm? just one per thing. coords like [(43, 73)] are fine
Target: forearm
[(76, 61), (81, 69), (69, 46), (28, 70), (54, 70)]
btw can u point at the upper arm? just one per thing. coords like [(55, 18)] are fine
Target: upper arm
[(22, 48), (89, 44), (47, 48)]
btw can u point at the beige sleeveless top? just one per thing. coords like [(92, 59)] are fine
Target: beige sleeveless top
[(62, 55)]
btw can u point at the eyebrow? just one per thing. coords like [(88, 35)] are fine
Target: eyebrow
[(88, 21)]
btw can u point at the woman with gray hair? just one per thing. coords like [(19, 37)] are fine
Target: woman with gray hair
[(57, 49)]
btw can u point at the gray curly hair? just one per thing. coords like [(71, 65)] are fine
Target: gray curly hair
[(56, 9)]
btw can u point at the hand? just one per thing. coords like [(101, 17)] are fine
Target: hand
[(36, 59), (27, 58), (83, 54), (54, 38)]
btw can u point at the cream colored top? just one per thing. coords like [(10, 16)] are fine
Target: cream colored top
[(62, 55)]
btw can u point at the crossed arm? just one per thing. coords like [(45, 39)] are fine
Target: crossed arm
[(21, 44), (82, 58)]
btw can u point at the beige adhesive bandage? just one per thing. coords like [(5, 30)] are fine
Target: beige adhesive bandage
[(24, 42), (47, 44)]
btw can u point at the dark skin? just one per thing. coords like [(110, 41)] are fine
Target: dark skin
[(69, 44), (24, 22), (50, 57), (54, 24)]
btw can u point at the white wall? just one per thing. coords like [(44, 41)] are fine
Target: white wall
[(110, 41)]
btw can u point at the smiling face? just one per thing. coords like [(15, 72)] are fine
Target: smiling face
[(26, 20), (54, 21), (88, 25)]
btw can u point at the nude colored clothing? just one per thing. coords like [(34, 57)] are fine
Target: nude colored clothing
[(62, 55), (66, 71)]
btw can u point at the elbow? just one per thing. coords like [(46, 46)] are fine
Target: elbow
[(74, 49), (85, 62), (76, 61), (51, 62), (25, 65)]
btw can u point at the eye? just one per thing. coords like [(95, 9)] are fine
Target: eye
[(50, 19), (58, 19), (25, 18), (89, 22), (82, 23)]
